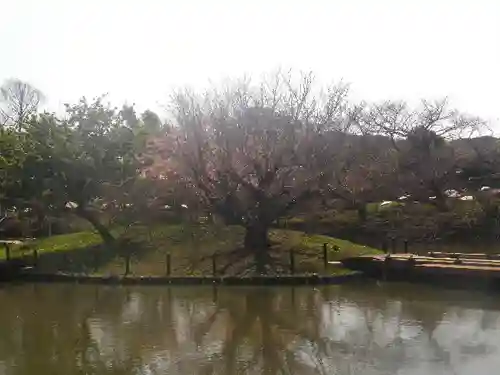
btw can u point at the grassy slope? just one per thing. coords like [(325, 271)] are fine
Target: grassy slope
[(186, 244)]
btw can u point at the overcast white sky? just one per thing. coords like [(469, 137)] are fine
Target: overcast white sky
[(138, 50)]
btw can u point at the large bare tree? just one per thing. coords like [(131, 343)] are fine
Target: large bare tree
[(18, 101), (420, 137), (251, 153)]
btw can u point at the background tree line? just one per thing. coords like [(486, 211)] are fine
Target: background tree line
[(254, 154)]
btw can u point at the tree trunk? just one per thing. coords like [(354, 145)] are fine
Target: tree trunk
[(362, 213), (99, 227), (440, 201), (256, 241)]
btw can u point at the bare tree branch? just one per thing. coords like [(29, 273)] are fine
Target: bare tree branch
[(18, 101)]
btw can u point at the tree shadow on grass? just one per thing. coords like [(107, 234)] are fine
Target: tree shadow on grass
[(90, 260)]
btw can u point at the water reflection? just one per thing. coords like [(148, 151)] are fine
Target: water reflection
[(364, 329)]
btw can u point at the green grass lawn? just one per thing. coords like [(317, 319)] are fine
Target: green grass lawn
[(190, 248), (65, 242)]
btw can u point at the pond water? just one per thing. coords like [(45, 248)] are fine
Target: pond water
[(348, 329)]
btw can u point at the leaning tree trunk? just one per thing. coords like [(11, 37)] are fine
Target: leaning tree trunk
[(440, 201), (256, 242), (362, 212), (99, 227)]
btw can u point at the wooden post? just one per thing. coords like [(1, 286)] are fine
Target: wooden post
[(292, 262), (384, 246), (214, 265), (325, 256), (168, 264), (127, 264), (406, 246), (35, 257), (96, 261), (7, 251), (65, 262)]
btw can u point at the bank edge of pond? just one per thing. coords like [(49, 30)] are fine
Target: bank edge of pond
[(257, 281), (193, 280)]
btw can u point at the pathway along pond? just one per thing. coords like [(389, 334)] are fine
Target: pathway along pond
[(347, 329)]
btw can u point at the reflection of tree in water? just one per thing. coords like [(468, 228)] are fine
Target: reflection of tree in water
[(109, 331), (260, 335), (90, 330)]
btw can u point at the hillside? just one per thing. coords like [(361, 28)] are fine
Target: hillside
[(191, 248)]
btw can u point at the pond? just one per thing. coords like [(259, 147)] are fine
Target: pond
[(348, 329)]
